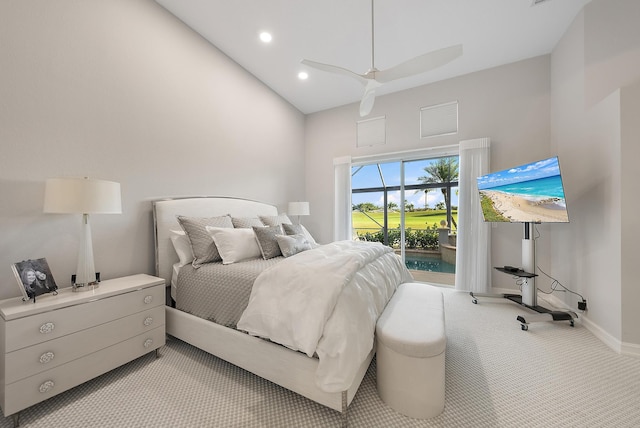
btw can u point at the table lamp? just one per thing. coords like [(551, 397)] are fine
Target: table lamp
[(298, 209), (83, 196)]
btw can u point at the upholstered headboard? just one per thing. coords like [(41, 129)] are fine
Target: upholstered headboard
[(165, 214)]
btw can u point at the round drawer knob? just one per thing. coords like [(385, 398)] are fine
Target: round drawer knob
[(148, 343), (46, 357), (46, 387), (148, 321), (148, 299), (47, 327)]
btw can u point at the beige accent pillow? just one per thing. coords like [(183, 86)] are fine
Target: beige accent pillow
[(202, 245), (266, 237), (292, 244), (246, 222), (274, 220), (298, 229)]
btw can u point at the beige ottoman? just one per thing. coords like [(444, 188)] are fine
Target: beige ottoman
[(410, 351)]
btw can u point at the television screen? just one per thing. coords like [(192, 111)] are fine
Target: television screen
[(531, 193)]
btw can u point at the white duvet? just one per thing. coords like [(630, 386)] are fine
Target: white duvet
[(326, 301)]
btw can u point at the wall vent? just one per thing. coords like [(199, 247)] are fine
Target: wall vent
[(371, 132), (441, 119)]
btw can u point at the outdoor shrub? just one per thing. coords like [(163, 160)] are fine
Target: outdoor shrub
[(421, 239)]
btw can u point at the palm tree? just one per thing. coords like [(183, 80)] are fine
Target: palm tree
[(425, 196), (408, 206), (443, 170)]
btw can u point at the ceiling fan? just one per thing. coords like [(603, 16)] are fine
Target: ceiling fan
[(374, 78)]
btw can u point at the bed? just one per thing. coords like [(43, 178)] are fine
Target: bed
[(288, 368)]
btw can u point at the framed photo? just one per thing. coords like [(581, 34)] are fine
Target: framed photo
[(34, 278)]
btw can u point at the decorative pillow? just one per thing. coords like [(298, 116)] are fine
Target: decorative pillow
[(202, 245), (274, 220), (292, 229), (182, 246), (266, 237), (234, 245), (248, 222), (298, 229), (292, 244)]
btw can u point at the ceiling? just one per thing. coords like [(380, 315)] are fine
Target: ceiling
[(338, 32)]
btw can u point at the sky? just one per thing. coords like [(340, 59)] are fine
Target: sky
[(531, 171), (369, 176)]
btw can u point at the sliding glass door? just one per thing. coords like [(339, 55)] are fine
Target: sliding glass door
[(410, 205)]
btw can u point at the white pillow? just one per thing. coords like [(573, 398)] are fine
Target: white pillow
[(182, 246), (309, 237), (234, 245), (292, 244)]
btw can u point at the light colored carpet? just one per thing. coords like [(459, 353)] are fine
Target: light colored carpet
[(497, 376)]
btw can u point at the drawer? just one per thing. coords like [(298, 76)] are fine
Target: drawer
[(37, 388), (38, 328), (34, 359)]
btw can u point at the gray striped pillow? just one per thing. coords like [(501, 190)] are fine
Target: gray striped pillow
[(267, 241), (246, 222), (204, 249)]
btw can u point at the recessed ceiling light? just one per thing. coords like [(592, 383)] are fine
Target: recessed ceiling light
[(303, 75), (265, 37)]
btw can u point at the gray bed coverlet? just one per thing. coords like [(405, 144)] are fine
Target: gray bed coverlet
[(217, 292)]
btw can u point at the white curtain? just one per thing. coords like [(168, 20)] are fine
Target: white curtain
[(342, 195), (473, 253)]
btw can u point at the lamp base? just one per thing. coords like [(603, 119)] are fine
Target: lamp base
[(85, 286)]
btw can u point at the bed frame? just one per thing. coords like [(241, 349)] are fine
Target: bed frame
[(278, 364)]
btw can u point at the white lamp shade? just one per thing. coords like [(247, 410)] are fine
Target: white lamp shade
[(82, 195), (298, 208)]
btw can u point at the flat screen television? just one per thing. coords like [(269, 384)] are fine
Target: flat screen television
[(530, 193)]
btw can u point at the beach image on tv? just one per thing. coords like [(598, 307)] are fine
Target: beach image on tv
[(530, 193)]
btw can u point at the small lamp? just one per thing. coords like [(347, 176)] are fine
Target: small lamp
[(298, 209), (83, 196)]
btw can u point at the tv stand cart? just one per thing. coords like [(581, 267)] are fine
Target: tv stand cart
[(528, 298)]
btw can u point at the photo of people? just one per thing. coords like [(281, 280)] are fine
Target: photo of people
[(34, 277)]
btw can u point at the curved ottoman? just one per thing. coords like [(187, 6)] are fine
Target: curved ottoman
[(410, 351)]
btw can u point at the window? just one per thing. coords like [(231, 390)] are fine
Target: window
[(410, 205)]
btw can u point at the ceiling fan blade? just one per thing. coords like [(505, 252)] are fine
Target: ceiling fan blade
[(420, 64), (334, 69), (368, 98)]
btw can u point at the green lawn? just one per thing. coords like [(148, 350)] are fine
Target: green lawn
[(413, 220)]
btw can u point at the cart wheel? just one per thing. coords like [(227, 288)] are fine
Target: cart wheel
[(572, 323), (524, 327), (474, 301)]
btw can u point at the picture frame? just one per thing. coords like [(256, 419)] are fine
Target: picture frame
[(34, 278)]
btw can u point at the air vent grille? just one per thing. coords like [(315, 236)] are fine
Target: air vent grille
[(441, 119)]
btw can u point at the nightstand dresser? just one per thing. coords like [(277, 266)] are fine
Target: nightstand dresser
[(66, 339)]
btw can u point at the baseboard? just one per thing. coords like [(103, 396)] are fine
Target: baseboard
[(553, 302), (623, 348)]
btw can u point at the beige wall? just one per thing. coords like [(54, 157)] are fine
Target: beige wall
[(509, 104), (122, 90), (594, 124), (629, 157)]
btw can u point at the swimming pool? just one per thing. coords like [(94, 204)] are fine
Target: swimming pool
[(428, 262)]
